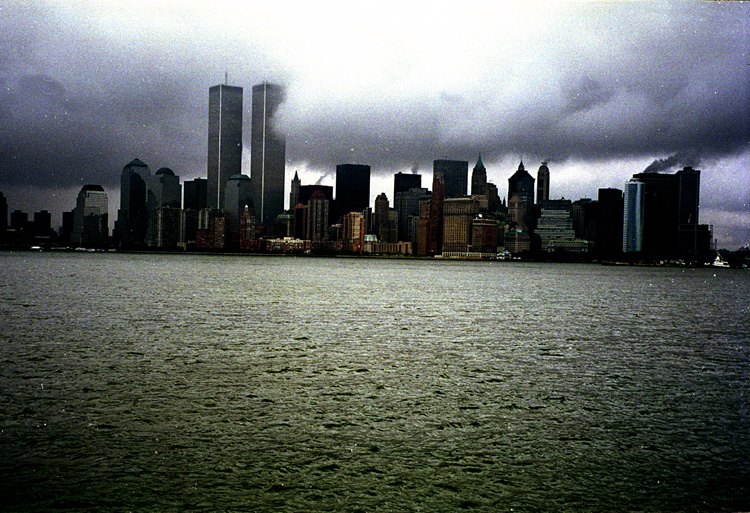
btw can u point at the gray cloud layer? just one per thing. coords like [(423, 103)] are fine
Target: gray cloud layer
[(85, 89)]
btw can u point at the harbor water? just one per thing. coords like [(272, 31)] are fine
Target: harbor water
[(236, 383)]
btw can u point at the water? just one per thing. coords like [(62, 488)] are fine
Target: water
[(219, 383)]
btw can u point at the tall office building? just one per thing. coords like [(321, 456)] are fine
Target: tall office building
[(132, 217), (194, 192), (408, 205), (609, 223), (633, 216), (542, 183), (267, 154), (224, 140), (688, 199), (238, 197), (294, 191), (402, 182), (660, 214), (352, 188), (455, 176), (522, 182), (90, 218), (479, 178)]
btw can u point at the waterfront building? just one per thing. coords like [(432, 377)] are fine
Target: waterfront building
[(458, 214), (224, 140), (3, 217), (163, 189), (408, 205), (555, 223), (164, 227), (434, 226), (633, 217), (609, 223), (267, 153), (317, 217), (238, 198), (660, 214), (688, 200), (354, 232), (132, 217), (306, 192), (455, 176), (352, 188), (484, 236), (90, 218), (479, 179), (517, 242), (385, 220), (542, 183)]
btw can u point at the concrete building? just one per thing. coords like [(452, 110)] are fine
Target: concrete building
[(224, 140), (267, 153), (352, 188)]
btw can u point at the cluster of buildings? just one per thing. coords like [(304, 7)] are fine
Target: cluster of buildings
[(654, 217)]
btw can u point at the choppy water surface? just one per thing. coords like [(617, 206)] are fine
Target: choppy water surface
[(200, 383)]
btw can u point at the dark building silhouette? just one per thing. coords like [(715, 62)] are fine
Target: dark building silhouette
[(224, 140), (542, 183), (609, 219), (132, 217), (660, 214), (352, 188), (402, 182), (521, 193), (434, 239), (91, 218), (194, 194), (454, 175), (522, 182), (3, 217), (267, 154), (42, 227), (479, 178), (19, 232), (294, 191), (408, 206), (306, 192), (688, 200)]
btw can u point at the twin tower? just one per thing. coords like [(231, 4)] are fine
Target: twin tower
[(267, 148)]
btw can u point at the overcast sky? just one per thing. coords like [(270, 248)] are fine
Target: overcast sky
[(600, 90)]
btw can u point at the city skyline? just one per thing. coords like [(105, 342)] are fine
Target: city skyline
[(598, 101)]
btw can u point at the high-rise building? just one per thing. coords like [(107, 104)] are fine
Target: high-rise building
[(194, 192), (224, 140), (408, 204), (522, 182), (306, 192), (267, 153), (132, 217), (294, 191), (90, 218), (458, 214), (633, 216), (609, 223), (385, 220), (352, 188), (238, 197), (455, 176), (163, 189), (555, 223), (688, 199), (479, 178), (402, 182), (660, 214), (317, 217), (3, 217), (542, 183)]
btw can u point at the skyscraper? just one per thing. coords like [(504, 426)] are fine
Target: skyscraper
[(542, 183), (132, 218), (267, 154), (522, 183), (609, 223), (294, 192), (402, 182), (479, 178), (633, 216), (224, 140), (455, 176), (90, 227), (352, 188)]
